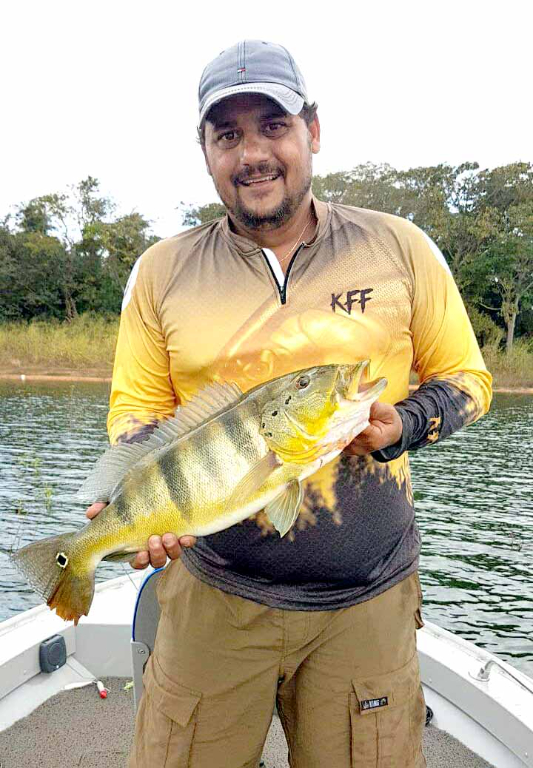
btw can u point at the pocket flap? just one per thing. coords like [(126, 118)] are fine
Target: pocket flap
[(380, 693), (174, 700)]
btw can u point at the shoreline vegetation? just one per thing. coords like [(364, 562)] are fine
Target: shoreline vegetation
[(65, 258), (84, 348)]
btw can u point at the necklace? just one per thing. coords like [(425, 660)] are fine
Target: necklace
[(295, 244)]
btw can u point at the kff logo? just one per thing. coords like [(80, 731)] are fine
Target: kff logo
[(359, 296)]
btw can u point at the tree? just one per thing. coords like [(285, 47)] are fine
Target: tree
[(73, 255), (35, 216), (31, 267), (202, 214), (365, 186), (505, 198)]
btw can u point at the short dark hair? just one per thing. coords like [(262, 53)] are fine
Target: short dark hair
[(307, 113)]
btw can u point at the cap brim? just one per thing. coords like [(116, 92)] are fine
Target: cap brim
[(288, 99)]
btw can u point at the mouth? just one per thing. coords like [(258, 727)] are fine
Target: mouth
[(258, 181), (355, 391), (354, 400)]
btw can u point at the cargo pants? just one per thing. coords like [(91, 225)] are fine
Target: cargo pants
[(346, 682)]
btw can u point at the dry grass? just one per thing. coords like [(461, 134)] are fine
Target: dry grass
[(514, 370), (86, 347)]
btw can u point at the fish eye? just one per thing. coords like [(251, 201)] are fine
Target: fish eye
[(303, 382), (61, 560)]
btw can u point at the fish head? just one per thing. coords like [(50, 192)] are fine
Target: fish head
[(318, 410)]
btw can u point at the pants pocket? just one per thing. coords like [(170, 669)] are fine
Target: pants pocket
[(165, 723), (387, 715)]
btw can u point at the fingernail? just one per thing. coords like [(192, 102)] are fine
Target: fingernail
[(168, 539)]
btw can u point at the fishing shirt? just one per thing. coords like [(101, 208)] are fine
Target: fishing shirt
[(211, 305)]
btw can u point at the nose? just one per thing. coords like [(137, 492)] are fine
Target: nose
[(254, 148)]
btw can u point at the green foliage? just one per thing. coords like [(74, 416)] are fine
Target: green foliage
[(202, 214), (68, 254), (488, 333), (31, 275), (35, 217)]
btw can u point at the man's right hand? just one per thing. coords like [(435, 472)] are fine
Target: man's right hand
[(159, 547)]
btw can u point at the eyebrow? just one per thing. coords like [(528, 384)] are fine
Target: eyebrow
[(219, 125)]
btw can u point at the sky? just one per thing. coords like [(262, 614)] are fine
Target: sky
[(109, 89)]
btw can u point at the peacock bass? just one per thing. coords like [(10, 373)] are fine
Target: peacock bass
[(223, 457)]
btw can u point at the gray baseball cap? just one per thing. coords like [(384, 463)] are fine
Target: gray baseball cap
[(253, 66)]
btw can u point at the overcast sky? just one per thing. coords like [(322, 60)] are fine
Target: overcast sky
[(110, 89)]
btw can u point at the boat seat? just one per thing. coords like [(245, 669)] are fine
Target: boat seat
[(143, 631)]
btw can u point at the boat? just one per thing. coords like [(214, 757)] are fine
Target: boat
[(68, 693)]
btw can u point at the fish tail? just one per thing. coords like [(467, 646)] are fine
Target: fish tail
[(56, 569)]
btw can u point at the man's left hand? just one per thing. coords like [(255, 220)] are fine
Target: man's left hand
[(385, 429)]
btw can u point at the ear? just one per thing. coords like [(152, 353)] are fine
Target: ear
[(314, 130)]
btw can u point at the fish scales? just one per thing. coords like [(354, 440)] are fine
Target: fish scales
[(225, 450)]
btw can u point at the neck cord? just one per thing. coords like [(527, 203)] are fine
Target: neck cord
[(295, 244)]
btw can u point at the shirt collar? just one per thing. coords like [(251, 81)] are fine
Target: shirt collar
[(247, 247)]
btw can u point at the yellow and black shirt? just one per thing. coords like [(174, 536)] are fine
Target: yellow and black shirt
[(211, 305)]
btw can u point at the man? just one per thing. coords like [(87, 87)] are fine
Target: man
[(322, 621)]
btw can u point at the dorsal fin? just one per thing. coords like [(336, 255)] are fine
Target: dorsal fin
[(116, 463)]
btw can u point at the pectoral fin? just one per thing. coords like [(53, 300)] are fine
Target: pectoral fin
[(253, 480), (283, 511)]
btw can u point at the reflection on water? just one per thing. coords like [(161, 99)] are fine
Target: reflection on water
[(474, 500)]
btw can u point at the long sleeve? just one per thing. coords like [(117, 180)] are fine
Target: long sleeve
[(455, 386), (141, 392)]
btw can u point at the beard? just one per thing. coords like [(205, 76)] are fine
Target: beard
[(278, 215)]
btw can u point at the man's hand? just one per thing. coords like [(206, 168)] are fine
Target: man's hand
[(385, 429), (159, 547)]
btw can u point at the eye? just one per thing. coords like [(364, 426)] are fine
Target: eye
[(277, 128), (228, 138), (303, 382), (61, 560)]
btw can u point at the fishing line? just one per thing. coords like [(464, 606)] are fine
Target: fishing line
[(128, 574)]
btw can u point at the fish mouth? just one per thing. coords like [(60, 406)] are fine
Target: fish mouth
[(352, 390)]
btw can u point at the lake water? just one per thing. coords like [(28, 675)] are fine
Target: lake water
[(474, 501)]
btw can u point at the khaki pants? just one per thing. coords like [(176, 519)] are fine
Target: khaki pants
[(346, 682)]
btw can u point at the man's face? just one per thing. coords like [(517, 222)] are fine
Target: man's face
[(260, 159)]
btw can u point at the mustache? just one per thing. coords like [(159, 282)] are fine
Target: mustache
[(262, 169)]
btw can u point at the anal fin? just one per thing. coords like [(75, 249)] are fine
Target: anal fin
[(120, 557), (283, 511)]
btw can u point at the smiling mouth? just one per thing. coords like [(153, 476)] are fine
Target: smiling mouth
[(257, 181)]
